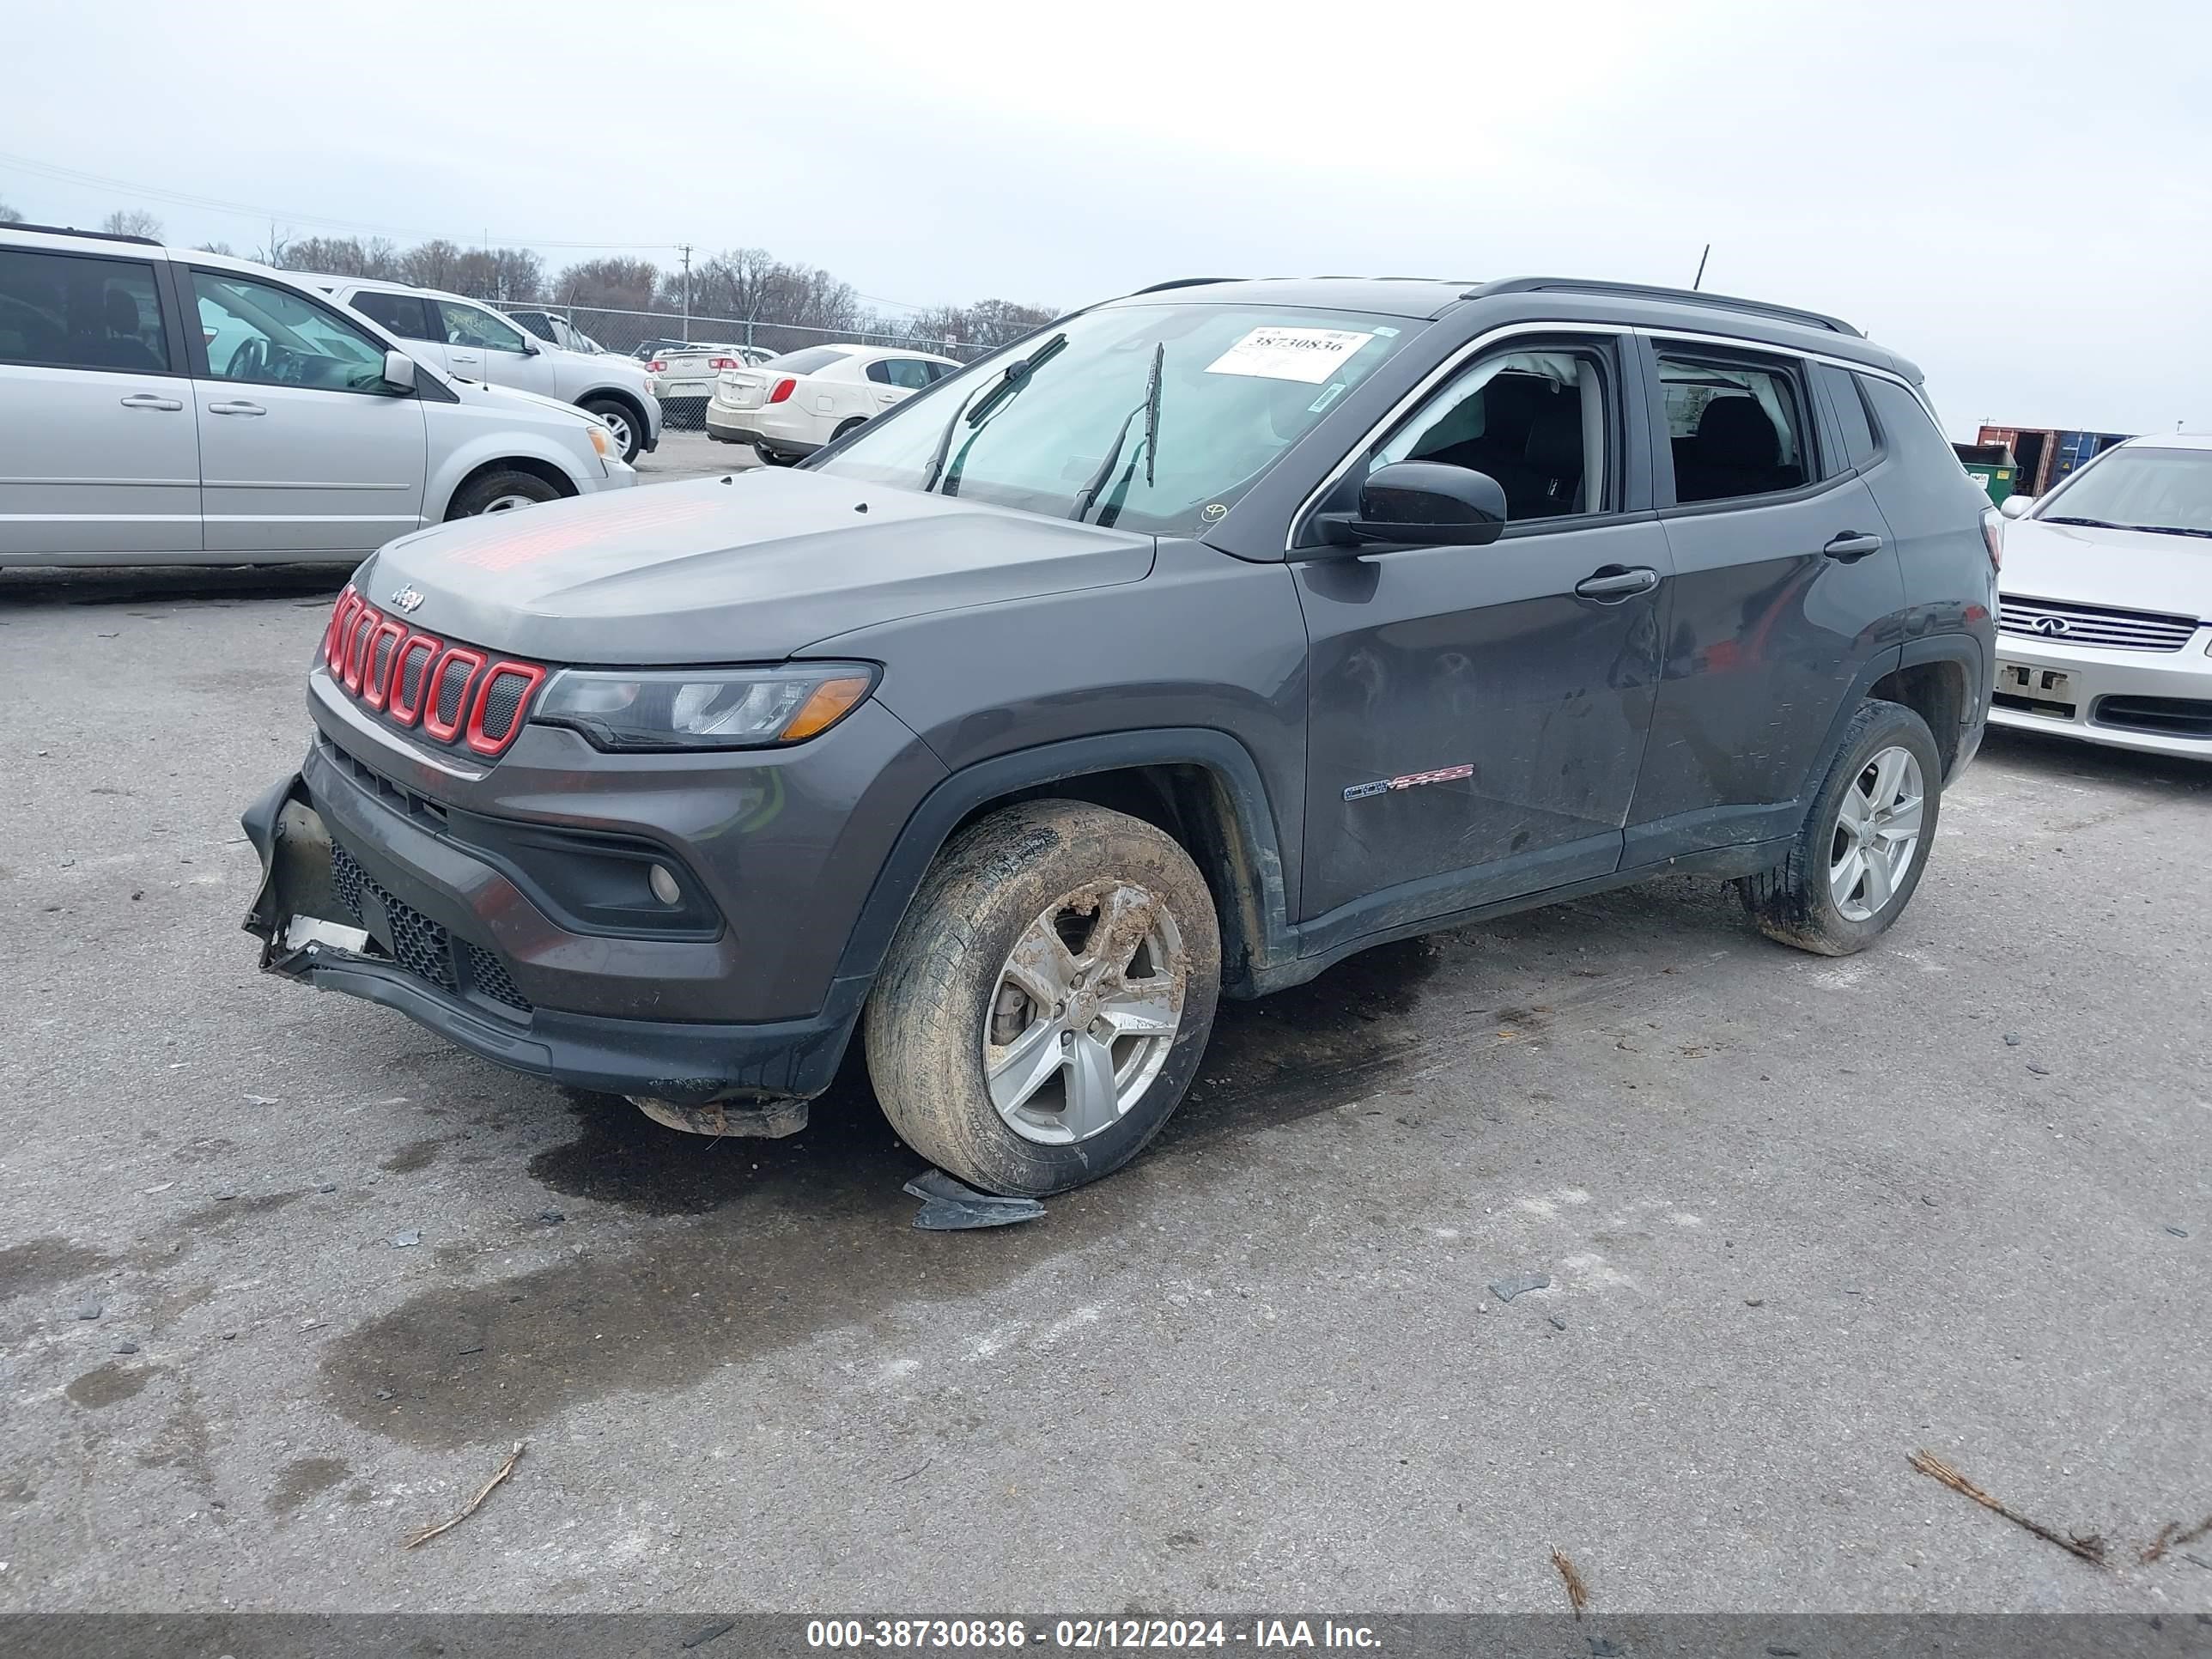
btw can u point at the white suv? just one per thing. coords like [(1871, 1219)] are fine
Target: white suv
[(790, 406), (169, 407), (470, 339)]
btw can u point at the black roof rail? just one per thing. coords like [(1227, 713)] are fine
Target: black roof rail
[(1681, 297), (1186, 282), (89, 235)]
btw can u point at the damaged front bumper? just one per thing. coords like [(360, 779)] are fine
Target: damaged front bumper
[(709, 1079)]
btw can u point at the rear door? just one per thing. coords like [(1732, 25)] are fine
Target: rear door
[(893, 380), (1476, 714), (1786, 590), (100, 456), (301, 451)]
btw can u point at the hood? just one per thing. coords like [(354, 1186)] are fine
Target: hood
[(2127, 569), (507, 397), (747, 568)]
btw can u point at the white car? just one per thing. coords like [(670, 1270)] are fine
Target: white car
[(2105, 602), (691, 371), (471, 340), (790, 406), (170, 407)]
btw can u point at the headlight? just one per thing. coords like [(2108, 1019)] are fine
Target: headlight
[(602, 441), (704, 708)]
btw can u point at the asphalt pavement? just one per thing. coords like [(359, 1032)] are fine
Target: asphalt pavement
[(282, 1278)]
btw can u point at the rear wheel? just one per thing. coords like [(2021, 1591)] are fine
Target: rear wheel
[(628, 434), (1859, 857), (1048, 998), (844, 427), (503, 490)]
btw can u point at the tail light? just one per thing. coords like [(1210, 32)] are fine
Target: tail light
[(656, 366), (1993, 536), (783, 390), (724, 362)]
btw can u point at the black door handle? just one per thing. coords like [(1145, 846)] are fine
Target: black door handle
[(1614, 582), (1852, 546)]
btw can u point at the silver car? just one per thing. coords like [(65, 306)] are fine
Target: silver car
[(2105, 615), (163, 406)]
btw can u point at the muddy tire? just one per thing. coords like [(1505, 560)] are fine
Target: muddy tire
[(1858, 859), (1047, 999)]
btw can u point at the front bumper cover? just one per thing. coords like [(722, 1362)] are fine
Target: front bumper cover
[(693, 1073)]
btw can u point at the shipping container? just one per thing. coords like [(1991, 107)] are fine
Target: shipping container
[(2044, 455)]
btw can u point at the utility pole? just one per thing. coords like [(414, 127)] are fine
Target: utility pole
[(686, 250)]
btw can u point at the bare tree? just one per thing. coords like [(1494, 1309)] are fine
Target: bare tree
[(277, 251), (9, 215), (344, 256), (223, 248), (433, 263), (131, 221), (608, 284)]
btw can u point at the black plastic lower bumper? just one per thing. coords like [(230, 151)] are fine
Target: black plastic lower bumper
[(685, 1063)]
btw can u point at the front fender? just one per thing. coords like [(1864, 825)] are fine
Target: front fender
[(501, 444)]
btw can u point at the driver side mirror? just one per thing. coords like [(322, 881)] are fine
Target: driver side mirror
[(1419, 504), (398, 373), (2015, 506)]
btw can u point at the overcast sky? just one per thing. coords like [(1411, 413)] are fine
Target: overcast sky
[(2019, 196)]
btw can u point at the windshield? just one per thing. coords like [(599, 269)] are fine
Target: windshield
[(2140, 489), (1236, 385)]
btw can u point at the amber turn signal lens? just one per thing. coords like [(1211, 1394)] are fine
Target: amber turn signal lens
[(827, 704)]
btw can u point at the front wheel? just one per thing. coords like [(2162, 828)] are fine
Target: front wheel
[(504, 490), (1048, 998), (1865, 843), (628, 434)]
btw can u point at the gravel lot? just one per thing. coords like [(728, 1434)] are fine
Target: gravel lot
[(1800, 1218)]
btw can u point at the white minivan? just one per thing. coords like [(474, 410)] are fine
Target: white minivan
[(475, 341), (165, 406)]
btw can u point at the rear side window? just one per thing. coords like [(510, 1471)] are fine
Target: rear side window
[(405, 314), (908, 372), (1736, 428), (1903, 423), (58, 311), (1843, 397), (810, 361)]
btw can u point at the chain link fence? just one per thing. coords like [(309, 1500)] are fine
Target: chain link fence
[(640, 334)]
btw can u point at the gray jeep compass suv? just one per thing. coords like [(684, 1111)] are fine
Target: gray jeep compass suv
[(1181, 649)]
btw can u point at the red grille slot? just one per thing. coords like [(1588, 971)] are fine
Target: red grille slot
[(411, 677), (383, 655), (366, 621), (496, 715), (445, 706), (338, 631)]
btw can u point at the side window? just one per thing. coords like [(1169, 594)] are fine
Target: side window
[(60, 312), (1907, 427), (1736, 428), (265, 335), (880, 371), (1842, 389), (472, 325), (405, 314), (911, 372), (939, 371), (1535, 421)]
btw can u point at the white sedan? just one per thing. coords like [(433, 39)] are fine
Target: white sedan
[(689, 371), (791, 405), (2105, 619)]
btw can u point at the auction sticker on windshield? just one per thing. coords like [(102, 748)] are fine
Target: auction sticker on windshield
[(1289, 353)]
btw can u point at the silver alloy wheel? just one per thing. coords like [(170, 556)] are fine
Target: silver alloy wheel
[(509, 503), (618, 424), (1877, 832), (1085, 1012)]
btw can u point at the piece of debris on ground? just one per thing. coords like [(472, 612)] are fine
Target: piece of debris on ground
[(2089, 1549), (2170, 1537), (1506, 1289), (949, 1206), (471, 1507), (1578, 1592)]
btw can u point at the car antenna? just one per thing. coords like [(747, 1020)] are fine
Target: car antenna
[(1699, 280)]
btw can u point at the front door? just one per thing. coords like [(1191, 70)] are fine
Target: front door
[(481, 345), (100, 455), (301, 449), (1787, 587), (1476, 714)]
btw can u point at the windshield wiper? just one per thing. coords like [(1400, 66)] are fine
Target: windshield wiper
[(1150, 409), (1001, 394), (2093, 524), (2170, 530)]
